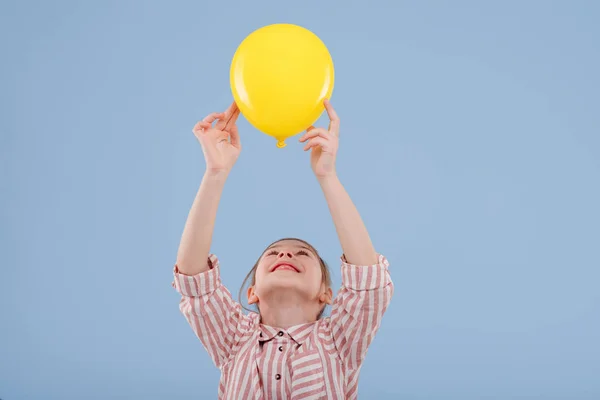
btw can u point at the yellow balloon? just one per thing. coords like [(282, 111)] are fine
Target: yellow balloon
[(280, 75)]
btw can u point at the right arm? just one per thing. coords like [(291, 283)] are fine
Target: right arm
[(197, 235), (216, 319), (209, 308), (221, 148)]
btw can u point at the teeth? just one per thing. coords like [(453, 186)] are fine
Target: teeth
[(287, 267)]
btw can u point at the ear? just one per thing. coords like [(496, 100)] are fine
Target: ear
[(326, 296), (252, 298)]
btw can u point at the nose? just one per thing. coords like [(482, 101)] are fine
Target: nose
[(284, 254)]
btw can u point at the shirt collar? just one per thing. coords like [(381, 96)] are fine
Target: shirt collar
[(297, 333)]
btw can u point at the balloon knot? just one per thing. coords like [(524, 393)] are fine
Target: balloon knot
[(281, 144)]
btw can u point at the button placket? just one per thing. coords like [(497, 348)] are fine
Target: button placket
[(279, 345)]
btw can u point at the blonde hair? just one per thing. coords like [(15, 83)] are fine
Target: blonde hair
[(251, 276)]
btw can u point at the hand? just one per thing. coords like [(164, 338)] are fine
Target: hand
[(220, 144), (323, 144)]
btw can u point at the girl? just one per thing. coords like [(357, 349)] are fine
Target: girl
[(286, 350)]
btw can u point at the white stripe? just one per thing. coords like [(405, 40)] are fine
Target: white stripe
[(363, 278), (217, 323), (202, 283), (308, 388), (327, 368), (193, 286), (308, 368), (209, 282), (243, 371), (304, 359)]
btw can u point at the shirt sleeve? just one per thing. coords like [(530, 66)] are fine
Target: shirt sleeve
[(358, 308), (217, 320)]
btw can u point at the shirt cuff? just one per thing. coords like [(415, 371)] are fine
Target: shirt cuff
[(200, 284), (367, 277)]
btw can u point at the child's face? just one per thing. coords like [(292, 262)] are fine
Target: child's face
[(289, 265)]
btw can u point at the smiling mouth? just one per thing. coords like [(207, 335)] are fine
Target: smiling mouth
[(284, 267)]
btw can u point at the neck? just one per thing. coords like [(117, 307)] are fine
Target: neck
[(284, 310)]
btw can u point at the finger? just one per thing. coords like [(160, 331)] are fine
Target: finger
[(235, 137), (212, 117), (201, 125), (232, 111), (232, 115), (310, 128), (233, 108), (316, 142), (334, 120), (314, 132)]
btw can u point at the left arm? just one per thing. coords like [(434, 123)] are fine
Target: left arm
[(366, 284), (366, 289), (352, 233), (358, 309)]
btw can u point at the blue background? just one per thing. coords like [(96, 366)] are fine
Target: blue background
[(470, 143)]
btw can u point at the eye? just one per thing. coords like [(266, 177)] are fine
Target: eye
[(304, 253), (272, 253)]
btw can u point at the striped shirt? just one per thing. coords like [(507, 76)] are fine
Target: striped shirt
[(319, 360)]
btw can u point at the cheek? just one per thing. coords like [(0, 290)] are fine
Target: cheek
[(313, 276), (261, 271)]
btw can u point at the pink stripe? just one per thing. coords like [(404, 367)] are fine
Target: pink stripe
[(217, 321)]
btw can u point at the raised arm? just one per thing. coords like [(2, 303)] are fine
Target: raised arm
[(221, 148), (217, 320), (366, 285), (352, 233)]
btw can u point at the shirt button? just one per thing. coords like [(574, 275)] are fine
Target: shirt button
[(278, 377), (280, 348), (280, 333)]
